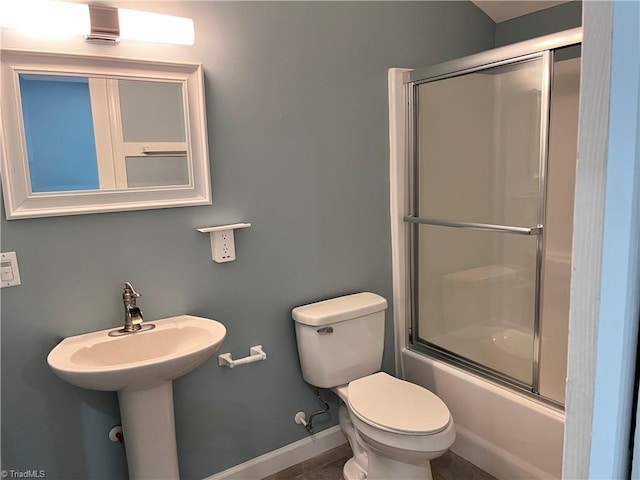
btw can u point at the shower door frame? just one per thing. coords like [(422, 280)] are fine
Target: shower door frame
[(404, 158)]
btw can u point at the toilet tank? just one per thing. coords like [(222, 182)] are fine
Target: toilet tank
[(340, 339)]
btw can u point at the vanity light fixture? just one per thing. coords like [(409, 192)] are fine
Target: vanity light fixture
[(45, 18), (154, 27), (104, 25), (51, 18)]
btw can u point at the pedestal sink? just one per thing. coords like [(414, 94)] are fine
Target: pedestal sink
[(140, 367)]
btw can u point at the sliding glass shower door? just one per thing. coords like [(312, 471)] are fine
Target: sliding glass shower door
[(479, 141)]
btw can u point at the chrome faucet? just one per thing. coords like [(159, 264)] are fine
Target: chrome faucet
[(132, 314)]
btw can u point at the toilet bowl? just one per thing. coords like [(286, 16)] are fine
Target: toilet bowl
[(401, 426), (394, 427)]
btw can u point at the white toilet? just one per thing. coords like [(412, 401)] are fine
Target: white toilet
[(394, 427)]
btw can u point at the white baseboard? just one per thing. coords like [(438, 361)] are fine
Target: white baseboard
[(285, 457)]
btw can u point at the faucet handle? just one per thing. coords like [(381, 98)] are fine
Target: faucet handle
[(136, 316), (129, 290)]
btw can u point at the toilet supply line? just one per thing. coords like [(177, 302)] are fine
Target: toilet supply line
[(301, 418)]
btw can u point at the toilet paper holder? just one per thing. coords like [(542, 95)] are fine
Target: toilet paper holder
[(256, 354)]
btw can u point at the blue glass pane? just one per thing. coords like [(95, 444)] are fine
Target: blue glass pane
[(59, 133)]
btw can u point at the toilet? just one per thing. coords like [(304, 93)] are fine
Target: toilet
[(394, 427)]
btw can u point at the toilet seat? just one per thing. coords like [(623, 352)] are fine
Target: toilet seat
[(397, 406)]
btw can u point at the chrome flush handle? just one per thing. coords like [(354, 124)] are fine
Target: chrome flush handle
[(325, 330)]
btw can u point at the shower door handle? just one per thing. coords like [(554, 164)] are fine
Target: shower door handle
[(487, 227)]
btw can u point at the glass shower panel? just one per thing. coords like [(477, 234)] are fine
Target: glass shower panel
[(475, 296), (478, 145), (563, 140)]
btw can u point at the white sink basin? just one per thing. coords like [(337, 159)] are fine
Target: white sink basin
[(143, 359)]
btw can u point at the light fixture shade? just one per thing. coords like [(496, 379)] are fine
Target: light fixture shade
[(154, 27), (45, 18)]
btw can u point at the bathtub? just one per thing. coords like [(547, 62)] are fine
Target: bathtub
[(506, 434), (506, 349)]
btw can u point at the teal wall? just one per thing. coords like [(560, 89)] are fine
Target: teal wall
[(537, 24), (298, 133), (617, 348)]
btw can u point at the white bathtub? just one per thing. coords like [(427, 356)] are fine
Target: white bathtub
[(505, 349), (502, 432)]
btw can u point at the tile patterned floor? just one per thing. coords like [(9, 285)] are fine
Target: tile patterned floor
[(328, 466)]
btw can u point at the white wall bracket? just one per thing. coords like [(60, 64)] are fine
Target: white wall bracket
[(223, 247), (255, 355)]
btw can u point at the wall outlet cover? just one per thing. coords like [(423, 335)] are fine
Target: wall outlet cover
[(224, 249)]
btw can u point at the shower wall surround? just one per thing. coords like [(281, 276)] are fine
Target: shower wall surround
[(297, 119)]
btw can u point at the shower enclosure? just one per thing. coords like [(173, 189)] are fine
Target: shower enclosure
[(483, 155), (493, 161), (493, 148)]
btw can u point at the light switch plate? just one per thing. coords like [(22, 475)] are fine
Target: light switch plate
[(9, 272)]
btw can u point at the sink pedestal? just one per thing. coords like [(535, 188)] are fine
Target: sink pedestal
[(149, 432), (141, 367)]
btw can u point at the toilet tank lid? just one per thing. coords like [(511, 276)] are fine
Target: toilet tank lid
[(339, 309)]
